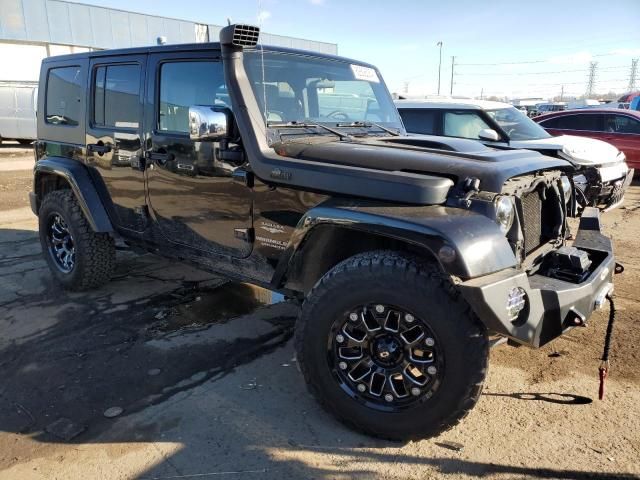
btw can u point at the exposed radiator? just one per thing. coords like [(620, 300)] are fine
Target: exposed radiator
[(532, 213)]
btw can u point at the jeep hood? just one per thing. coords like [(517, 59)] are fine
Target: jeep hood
[(578, 150), (456, 159)]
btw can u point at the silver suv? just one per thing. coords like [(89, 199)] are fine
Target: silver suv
[(602, 175)]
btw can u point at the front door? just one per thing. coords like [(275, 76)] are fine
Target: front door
[(114, 134), (194, 197)]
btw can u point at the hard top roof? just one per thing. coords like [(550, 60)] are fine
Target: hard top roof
[(194, 47)]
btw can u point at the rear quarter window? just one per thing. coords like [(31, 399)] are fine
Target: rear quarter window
[(417, 120), (64, 96)]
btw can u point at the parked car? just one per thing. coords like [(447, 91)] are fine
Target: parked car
[(291, 170), (620, 128), (543, 108), (18, 111), (601, 174)]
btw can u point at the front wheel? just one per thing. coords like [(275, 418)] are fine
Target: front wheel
[(387, 345)]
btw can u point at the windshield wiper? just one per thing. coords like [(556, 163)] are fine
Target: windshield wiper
[(340, 134), (369, 125)]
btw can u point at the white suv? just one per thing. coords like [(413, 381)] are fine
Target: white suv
[(602, 172)]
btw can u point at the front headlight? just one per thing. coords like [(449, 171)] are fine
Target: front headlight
[(566, 188), (505, 213)]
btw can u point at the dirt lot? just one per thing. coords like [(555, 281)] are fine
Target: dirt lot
[(204, 373)]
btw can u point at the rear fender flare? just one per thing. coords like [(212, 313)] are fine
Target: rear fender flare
[(79, 180)]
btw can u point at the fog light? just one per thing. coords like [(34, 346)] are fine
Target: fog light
[(516, 303)]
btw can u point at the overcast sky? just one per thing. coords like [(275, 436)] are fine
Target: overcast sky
[(503, 47)]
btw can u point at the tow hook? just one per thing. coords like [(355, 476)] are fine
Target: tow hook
[(602, 295)]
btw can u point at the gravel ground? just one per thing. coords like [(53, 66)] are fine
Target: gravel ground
[(204, 374)]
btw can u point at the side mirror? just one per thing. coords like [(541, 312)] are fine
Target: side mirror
[(489, 134), (208, 123)]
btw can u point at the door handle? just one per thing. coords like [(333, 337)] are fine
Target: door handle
[(160, 158), (99, 148)]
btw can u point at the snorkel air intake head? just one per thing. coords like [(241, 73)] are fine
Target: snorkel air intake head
[(239, 36)]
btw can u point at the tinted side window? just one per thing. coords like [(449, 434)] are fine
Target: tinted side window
[(622, 124), (183, 84), (63, 96), (116, 96), (589, 122), (417, 120), (552, 122), (463, 124)]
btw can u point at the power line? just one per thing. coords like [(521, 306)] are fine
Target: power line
[(527, 62), (617, 81), (498, 74), (502, 63)]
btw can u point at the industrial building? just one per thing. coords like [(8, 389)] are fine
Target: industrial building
[(31, 30)]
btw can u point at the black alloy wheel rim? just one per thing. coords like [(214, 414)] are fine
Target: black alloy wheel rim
[(61, 245), (385, 357)]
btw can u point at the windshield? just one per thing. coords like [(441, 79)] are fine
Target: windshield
[(517, 125), (296, 88)]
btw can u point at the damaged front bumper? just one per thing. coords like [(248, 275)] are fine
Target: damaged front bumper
[(553, 306), (617, 191), (604, 186)]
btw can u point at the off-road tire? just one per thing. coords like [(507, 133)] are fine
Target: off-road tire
[(403, 280), (95, 253)]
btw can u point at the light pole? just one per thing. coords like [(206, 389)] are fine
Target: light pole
[(453, 66), (439, 44)]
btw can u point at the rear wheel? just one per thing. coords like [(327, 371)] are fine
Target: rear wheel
[(78, 257), (388, 346)]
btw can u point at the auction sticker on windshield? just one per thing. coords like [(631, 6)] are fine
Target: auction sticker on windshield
[(364, 73)]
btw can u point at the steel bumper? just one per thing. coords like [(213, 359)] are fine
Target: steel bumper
[(553, 306)]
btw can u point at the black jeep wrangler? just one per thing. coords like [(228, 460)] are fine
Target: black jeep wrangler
[(292, 170)]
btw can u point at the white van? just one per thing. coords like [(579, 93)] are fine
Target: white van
[(18, 111)]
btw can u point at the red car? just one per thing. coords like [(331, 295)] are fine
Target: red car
[(619, 127)]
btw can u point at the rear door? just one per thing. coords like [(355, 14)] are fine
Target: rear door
[(623, 131), (25, 112), (8, 123), (114, 134), (196, 199)]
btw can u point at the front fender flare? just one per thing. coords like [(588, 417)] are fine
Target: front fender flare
[(78, 178), (480, 247)]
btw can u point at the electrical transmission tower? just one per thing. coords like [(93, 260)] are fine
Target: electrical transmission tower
[(591, 81), (632, 75)]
